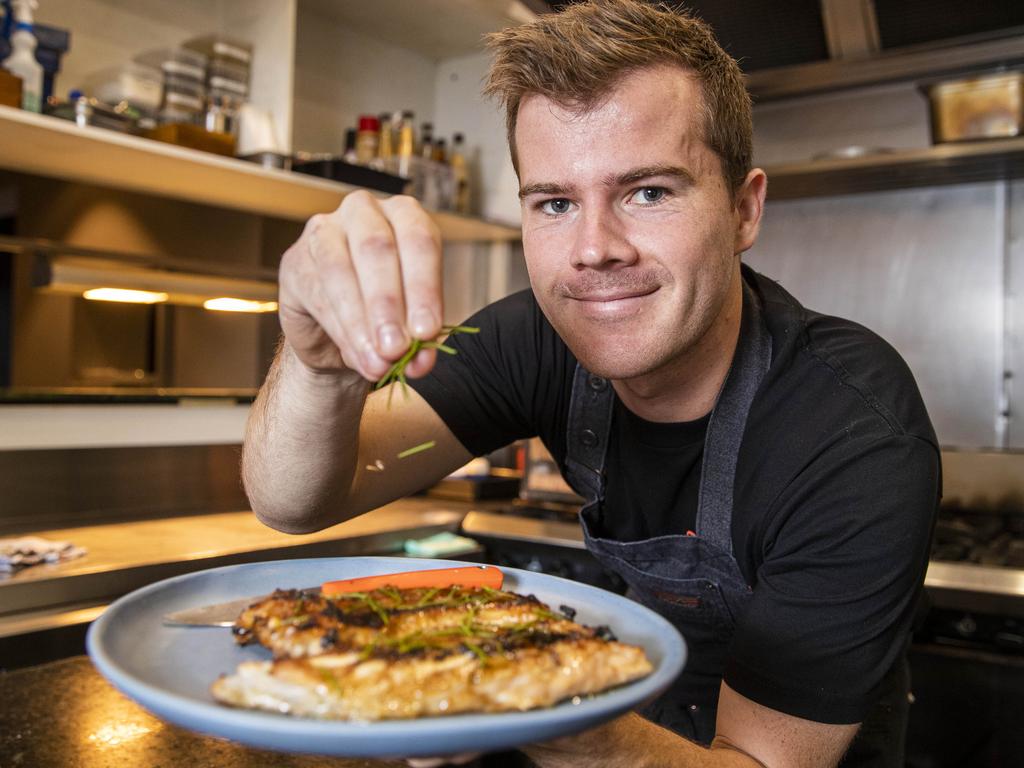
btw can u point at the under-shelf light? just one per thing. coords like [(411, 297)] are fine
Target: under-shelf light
[(125, 295), (228, 304), (77, 275)]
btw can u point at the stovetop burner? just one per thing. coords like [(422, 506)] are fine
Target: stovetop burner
[(984, 538)]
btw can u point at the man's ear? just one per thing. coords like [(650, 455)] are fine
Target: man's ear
[(749, 206)]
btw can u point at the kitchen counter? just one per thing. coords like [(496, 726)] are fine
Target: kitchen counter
[(124, 556), (65, 714)]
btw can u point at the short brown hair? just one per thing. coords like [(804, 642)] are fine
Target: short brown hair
[(577, 57)]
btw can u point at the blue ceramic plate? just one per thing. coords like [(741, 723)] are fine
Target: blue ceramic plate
[(169, 670)]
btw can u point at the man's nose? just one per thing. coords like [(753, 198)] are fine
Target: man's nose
[(601, 240)]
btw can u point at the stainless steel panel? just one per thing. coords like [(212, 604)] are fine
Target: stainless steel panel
[(969, 587), (1014, 383), (891, 117), (984, 481), (933, 61), (42, 489), (952, 163), (924, 269)]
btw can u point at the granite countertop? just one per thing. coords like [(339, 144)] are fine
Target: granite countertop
[(66, 715)]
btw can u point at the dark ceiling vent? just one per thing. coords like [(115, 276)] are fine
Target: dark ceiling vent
[(766, 33), (760, 34), (912, 22)]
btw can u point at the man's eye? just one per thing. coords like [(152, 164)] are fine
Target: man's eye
[(557, 206), (648, 195)]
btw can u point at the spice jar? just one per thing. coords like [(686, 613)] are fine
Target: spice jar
[(367, 139)]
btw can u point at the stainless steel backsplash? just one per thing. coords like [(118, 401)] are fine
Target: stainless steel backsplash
[(938, 273), (47, 489)]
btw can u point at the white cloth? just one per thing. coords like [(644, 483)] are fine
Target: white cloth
[(30, 550)]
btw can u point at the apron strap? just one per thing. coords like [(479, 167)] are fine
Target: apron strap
[(728, 422), (590, 416)]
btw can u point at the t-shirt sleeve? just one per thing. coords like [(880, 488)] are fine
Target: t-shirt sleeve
[(506, 382), (846, 550)]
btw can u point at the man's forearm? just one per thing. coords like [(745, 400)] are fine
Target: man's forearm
[(301, 444), (633, 742)]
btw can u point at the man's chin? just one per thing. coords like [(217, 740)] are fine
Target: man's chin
[(614, 367)]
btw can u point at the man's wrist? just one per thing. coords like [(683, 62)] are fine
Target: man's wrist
[(621, 743), (345, 381)]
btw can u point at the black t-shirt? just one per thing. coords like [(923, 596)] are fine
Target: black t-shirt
[(837, 483)]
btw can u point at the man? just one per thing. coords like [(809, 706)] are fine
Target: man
[(763, 476)]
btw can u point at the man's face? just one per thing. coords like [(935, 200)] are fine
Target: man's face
[(629, 228)]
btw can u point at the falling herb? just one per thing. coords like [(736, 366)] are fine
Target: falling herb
[(397, 371), (417, 448)]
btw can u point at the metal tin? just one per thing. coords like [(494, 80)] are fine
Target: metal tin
[(991, 106)]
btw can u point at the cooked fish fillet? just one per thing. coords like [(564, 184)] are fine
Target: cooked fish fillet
[(298, 624), (441, 671)]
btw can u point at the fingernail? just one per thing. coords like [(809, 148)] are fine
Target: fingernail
[(424, 323), (371, 360), (391, 338)]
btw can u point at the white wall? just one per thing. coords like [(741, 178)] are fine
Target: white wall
[(341, 74), (109, 33), (459, 107)]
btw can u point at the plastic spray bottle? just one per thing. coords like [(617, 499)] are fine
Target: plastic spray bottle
[(22, 61)]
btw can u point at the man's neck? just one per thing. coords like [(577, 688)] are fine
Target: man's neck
[(686, 388)]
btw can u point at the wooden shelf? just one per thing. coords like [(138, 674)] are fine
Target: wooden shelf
[(48, 146), (942, 164)]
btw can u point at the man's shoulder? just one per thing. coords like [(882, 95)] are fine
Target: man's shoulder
[(839, 365)]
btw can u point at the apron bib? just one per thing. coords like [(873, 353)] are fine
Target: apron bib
[(692, 580)]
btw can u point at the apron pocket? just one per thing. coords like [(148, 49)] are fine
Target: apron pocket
[(689, 604)]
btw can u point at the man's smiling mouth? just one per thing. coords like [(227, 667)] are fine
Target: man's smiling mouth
[(608, 296)]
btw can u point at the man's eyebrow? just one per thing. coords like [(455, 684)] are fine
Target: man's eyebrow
[(649, 172), (616, 180), (543, 188)]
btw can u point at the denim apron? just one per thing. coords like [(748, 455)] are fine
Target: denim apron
[(692, 578)]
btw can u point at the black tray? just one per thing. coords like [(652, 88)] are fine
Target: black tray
[(475, 488), (359, 175)]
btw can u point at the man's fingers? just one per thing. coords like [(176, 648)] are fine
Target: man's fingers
[(336, 284), (374, 253), (361, 283), (419, 252), (313, 331), (422, 364)]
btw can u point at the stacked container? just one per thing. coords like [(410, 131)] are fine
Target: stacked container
[(227, 79), (184, 74)]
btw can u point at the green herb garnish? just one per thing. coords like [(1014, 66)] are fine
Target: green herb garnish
[(397, 371), (417, 448)]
